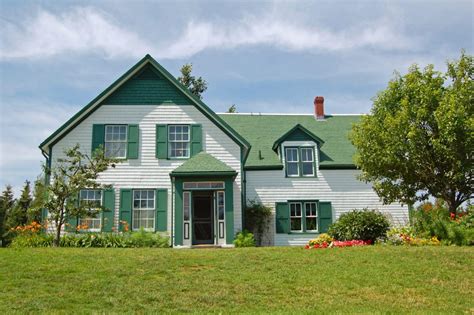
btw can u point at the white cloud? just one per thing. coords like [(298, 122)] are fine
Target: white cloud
[(88, 30), (81, 30)]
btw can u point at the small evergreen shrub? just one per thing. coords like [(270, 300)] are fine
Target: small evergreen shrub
[(365, 225), (244, 239)]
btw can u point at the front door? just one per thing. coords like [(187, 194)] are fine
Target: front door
[(203, 217)]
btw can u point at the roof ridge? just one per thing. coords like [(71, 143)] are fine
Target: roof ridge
[(287, 114)]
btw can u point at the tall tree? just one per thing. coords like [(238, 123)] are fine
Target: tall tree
[(6, 204), (71, 174), (39, 194), (418, 140), (19, 213), (197, 86)]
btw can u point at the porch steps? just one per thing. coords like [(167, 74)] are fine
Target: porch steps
[(206, 246)]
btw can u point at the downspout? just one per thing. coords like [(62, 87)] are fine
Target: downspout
[(172, 211)]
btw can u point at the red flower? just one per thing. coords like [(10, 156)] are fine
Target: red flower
[(307, 247), (452, 215)]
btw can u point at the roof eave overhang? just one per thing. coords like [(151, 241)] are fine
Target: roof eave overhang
[(203, 174)]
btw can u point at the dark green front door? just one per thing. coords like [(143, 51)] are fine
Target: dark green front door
[(203, 217)]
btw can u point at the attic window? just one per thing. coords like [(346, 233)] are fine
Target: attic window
[(300, 161)]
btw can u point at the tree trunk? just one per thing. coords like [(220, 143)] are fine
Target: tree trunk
[(58, 235)]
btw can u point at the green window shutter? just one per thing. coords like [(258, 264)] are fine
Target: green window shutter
[(108, 198), (161, 204), (324, 215), (98, 136), (125, 207), (133, 140), (161, 141), (196, 139), (282, 217)]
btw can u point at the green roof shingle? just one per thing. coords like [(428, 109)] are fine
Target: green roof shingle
[(261, 131), (203, 163)]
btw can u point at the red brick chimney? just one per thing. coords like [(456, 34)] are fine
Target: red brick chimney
[(319, 107)]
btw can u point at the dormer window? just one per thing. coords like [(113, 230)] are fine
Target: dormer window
[(300, 161)]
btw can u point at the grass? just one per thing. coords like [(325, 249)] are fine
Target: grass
[(249, 280)]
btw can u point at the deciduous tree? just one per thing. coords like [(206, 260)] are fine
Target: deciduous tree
[(418, 140), (197, 86)]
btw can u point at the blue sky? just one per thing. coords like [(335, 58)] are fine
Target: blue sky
[(265, 56)]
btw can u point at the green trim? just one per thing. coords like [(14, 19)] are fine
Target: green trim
[(229, 211), (289, 132), (178, 212), (337, 167), (125, 207), (133, 141), (108, 213), (161, 141), (263, 168), (161, 205), (205, 174), (89, 108)]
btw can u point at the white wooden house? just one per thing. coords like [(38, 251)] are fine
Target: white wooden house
[(188, 171)]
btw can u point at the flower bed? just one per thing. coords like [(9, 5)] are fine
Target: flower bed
[(325, 241)]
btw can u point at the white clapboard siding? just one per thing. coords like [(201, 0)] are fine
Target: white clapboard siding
[(340, 187), (147, 171)]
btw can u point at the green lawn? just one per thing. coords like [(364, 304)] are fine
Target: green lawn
[(263, 280)]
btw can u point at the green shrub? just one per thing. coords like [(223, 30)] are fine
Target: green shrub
[(32, 240), (244, 239), (435, 221), (365, 225), (118, 240)]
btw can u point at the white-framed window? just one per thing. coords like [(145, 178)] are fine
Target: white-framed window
[(178, 141), (300, 161), (292, 162), (143, 215), (91, 198), (221, 213), (311, 216), (307, 161), (116, 141), (296, 222)]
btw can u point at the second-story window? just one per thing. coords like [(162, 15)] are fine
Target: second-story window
[(178, 141), (300, 161), (116, 141)]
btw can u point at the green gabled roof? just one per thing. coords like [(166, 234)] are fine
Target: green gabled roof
[(203, 164), (297, 133), (262, 131), (120, 86)]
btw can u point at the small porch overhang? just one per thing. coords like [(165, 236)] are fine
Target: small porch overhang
[(203, 165)]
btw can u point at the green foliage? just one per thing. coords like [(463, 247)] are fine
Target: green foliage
[(244, 239), (366, 225), (71, 174), (116, 240), (19, 212), (196, 86), (6, 204), (434, 221), (419, 138), (257, 218), (232, 109), (39, 195)]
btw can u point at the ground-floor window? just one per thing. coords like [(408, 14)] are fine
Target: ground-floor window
[(93, 200), (143, 215), (303, 221)]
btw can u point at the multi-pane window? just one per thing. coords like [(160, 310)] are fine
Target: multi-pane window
[(296, 222), (92, 199), (300, 161), (307, 161), (116, 141), (311, 216), (143, 215), (178, 141), (292, 162)]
